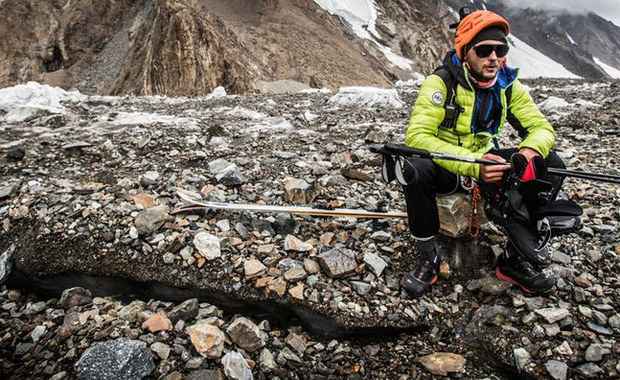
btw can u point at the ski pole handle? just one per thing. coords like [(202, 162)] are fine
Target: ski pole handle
[(406, 151), (403, 150)]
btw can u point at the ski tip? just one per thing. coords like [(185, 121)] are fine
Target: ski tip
[(186, 196)]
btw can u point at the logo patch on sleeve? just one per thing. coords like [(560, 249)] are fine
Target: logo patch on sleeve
[(437, 98)]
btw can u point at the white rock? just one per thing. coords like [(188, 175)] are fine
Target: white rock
[(37, 333), (266, 360), (235, 367), (218, 93), (207, 245), (208, 340), (552, 315), (223, 225), (376, 263), (522, 357), (292, 243)]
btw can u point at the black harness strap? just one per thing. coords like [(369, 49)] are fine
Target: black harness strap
[(452, 109)]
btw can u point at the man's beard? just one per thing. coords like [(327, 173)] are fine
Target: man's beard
[(480, 76)]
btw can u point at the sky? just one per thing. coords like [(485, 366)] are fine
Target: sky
[(608, 9)]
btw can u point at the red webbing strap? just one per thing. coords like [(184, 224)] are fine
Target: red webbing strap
[(474, 218)]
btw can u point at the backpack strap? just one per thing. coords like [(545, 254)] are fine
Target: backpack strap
[(452, 108), (448, 80), (508, 94)]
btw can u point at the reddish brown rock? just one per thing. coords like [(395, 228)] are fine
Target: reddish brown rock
[(158, 322)]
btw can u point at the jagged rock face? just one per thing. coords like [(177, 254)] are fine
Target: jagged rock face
[(419, 30), (120, 46), (179, 50), (549, 36), (22, 63), (597, 36), (296, 40), (53, 42), (188, 47)]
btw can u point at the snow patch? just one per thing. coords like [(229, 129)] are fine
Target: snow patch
[(570, 39), (586, 103), (532, 63), (394, 58), (367, 97), (316, 91), (23, 113), (362, 16), (143, 118), (35, 95), (31, 100), (416, 82), (559, 106), (553, 104), (218, 93), (270, 125), (309, 116), (306, 132), (611, 71), (246, 113)]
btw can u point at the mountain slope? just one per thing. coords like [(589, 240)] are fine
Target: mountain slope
[(189, 47), (573, 40), (594, 34), (179, 51), (54, 41), (546, 34)]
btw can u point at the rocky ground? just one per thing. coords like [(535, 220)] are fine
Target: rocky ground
[(88, 198)]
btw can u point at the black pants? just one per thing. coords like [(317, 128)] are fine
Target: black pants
[(427, 180)]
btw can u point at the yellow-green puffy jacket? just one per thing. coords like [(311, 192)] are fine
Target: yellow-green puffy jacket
[(425, 132)]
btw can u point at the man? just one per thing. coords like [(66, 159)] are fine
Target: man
[(464, 120)]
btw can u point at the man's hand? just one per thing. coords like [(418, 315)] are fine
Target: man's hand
[(528, 153), (493, 173)]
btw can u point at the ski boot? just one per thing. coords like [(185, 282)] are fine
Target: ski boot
[(514, 268), (527, 242), (420, 280)]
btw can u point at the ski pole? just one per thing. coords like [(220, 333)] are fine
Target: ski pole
[(585, 175), (403, 150), (193, 204)]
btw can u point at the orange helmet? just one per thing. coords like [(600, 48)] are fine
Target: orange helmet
[(473, 24)]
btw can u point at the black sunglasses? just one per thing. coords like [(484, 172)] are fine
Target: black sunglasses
[(483, 51)]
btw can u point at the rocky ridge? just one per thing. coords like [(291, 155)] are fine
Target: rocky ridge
[(88, 192), (190, 47), (571, 39)]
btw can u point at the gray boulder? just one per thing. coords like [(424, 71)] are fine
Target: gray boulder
[(338, 262), (75, 297), (120, 359), (6, 263)]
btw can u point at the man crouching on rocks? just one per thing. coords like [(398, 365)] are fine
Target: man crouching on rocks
[(460, 110)]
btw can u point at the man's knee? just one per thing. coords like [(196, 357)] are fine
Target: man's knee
[(418, 171), (554, 161)]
